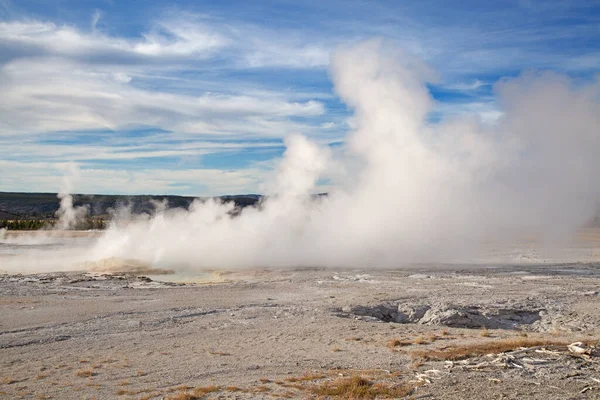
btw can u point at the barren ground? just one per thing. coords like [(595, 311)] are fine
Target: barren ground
[(303, 333)]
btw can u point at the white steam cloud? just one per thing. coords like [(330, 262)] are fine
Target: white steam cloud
[(405, 190), (68, 215)]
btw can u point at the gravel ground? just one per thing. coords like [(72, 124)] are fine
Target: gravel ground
[(299, 333)]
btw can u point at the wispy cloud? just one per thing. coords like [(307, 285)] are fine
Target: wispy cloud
[(54, 95), (46, 177), (257, 71)]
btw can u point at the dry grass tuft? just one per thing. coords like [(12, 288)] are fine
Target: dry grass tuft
[(85, 373), (219, 353), (122, 392), (232, 389), (149, 396), (195, 394), (484, 332), (336, 349), (124, 382), (420, 340), (398, 343), (455, 353), (357, 387)]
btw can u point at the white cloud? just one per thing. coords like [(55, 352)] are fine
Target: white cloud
[(47, 177), (151, 148), (176, 39), (53, 95)]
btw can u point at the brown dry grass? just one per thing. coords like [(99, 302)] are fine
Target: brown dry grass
[(358, 387), (218, 353), (484, 332), (8, 380), (420, 340), (149, 396), (122, 392), (195, 394), (85, 373), (399, 343), (455, 353)]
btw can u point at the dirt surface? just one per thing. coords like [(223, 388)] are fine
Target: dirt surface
[(304, 333)]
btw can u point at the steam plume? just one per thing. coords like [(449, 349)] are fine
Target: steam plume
[(405, 190), (68, 215)]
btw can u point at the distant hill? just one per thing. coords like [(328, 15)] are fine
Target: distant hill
[(6, 215), (45, 205)]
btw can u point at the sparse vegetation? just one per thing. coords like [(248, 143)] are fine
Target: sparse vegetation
[(455, 353), (420, 340), (85, 373), (399, 343), (8, 380), (358, 387), (305, 378), (194, 394), (219, 353)]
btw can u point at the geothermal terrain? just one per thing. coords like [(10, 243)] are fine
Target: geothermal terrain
[(512, 330)]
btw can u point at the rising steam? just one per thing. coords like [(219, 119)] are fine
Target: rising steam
[(68, 215), (405, 189)]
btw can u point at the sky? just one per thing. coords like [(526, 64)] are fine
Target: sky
[(197, 97)]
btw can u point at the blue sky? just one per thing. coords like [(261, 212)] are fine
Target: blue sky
[(195, 97)]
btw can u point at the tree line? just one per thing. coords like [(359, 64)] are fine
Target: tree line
[(35, 224)]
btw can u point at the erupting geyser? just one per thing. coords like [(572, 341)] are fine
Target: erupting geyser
[(404, 189)]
